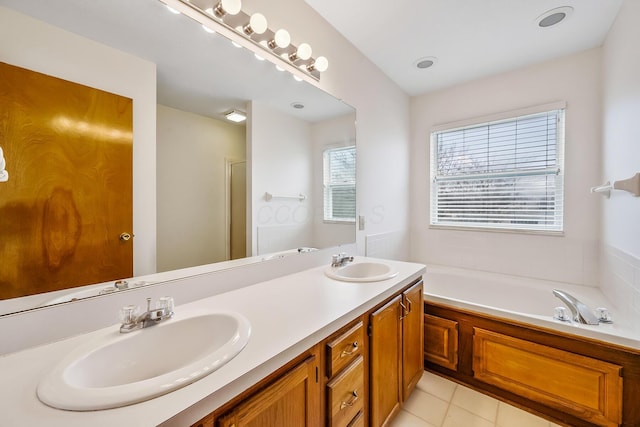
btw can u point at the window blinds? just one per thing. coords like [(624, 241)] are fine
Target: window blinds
[(506, 174), (340, 184)]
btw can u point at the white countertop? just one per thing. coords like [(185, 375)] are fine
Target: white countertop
[(288, 315)]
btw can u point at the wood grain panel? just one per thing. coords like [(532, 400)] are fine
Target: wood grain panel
[(412, 339), (385, 362), (588, 388), (69, 153), (441, 341), (344, 348), (293, 400), (345, 394)]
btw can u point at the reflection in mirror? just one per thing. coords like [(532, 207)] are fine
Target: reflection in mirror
[(207, 192)]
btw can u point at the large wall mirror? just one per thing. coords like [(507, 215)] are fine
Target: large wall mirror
[(205, 190)]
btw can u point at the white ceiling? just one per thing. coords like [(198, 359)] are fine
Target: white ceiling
[(470, 38), (196, 71)]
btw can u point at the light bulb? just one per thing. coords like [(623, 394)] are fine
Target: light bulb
[(257, 24), (281, 39), (228, 7), (321, 64), (303, 52)]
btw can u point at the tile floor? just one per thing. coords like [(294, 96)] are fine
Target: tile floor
[(438, 402)]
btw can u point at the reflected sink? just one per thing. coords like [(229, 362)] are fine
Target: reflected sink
[(117, 369), (362, 272)]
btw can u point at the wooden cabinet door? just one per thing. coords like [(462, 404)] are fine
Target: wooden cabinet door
[(293, 400), (441, 341), (587, 388), (385, 362), (412, 339)]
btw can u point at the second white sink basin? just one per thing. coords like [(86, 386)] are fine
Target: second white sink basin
[(121, 369), (362, 272)]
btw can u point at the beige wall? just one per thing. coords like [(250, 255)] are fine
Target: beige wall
[(192, 152), (572, 258)]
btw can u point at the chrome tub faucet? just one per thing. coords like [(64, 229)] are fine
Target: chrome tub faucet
[(579, 311), (131, 321)]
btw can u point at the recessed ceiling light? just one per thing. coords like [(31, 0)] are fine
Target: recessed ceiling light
[(554, 16), (236, 116), (426, 62)]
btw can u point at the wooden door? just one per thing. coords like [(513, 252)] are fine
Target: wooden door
[(412, 339), (69, 156), (385, 362), (293, 400)]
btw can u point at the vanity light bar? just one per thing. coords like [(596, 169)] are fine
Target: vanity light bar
[(227, 18)]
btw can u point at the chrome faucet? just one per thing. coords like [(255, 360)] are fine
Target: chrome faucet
[(131, 321), (340, 259), (579, 311)]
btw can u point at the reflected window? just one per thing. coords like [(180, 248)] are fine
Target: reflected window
[(339, 176)]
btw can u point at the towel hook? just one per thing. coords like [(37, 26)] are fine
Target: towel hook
[(631, 185)]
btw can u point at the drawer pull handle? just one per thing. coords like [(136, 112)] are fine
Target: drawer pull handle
[(354, 348), (354, 397), (403, 310), (406, 309)]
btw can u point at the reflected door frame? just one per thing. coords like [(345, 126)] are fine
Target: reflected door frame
[(230, 166)]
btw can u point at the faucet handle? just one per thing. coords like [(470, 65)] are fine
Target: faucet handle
[(128, 314), (603, 315), (166, 304)]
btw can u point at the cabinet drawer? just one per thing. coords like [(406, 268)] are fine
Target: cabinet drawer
[(344, 348), (587, 388), (346, 394)]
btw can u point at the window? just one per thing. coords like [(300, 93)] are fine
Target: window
[(340, 184), (504, 174)]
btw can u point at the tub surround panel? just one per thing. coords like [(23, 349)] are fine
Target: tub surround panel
[(620, 282), (319, 305)]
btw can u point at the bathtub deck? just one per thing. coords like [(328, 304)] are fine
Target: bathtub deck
[(525, 300)]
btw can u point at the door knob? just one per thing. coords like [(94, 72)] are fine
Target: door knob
[(125, 237)]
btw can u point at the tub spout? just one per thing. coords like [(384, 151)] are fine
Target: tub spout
[(581, 313)]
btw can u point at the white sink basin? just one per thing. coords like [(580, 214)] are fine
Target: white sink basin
[(362, 272), (121, 369)]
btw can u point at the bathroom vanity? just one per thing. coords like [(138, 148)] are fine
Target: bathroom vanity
[(334, 352)]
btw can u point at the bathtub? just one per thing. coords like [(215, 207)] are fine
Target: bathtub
[(525, 300)]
